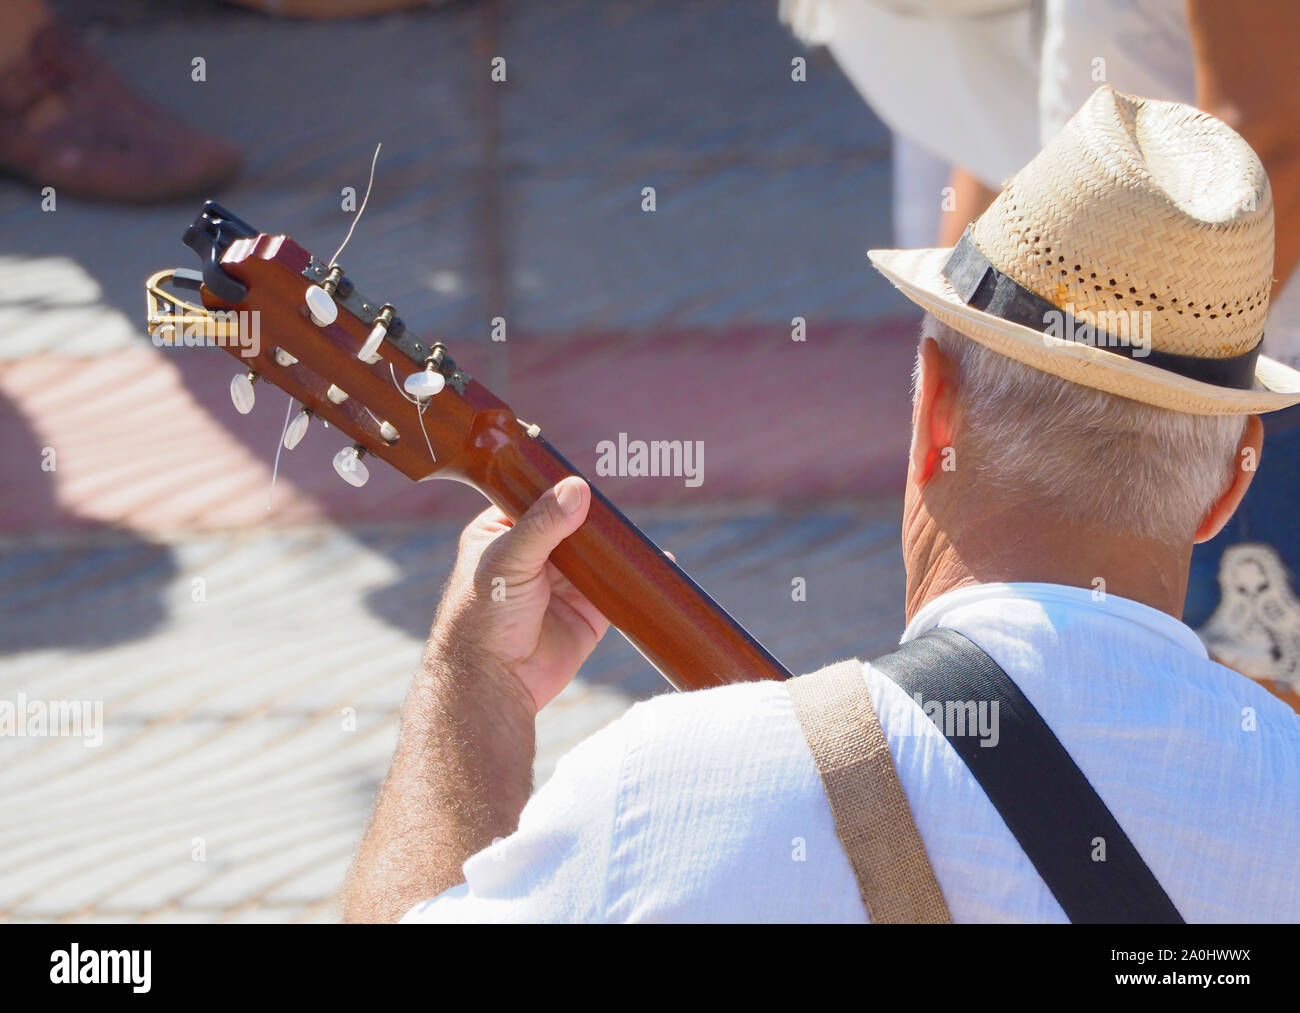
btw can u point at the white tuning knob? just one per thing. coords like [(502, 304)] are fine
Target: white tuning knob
[(369, 352), (323, 309), (297, 429), (425, 384), (350, 467), (284, 358), (241, 392)]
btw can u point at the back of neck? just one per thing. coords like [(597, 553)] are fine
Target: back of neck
[(1001, 544)]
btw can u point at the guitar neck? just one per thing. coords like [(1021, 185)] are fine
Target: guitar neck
[(664, 614), (683, 632)]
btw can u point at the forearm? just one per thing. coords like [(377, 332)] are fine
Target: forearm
[(510, 633), (460, 777)]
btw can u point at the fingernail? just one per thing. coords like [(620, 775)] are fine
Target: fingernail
[(569, 497)]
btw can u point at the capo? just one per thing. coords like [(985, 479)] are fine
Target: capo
[(163, 319)]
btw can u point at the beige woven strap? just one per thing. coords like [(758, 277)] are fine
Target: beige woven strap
[(872, 817)]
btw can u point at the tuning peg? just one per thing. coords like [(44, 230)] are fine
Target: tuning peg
[(284, 358), (350, 467), (426, 383), (241, 391), (369, 351), (297, 429), (320, 298), (322, 307), (336, 394)]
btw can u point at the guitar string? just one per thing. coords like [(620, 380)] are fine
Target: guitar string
[(361, 210), (420, 409), (288, 411), (374, 418)]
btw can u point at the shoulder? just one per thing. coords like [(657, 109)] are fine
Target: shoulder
[(726, 745), (651, 818), (713, 722), (721, 816), (692, 807), (706, 745)]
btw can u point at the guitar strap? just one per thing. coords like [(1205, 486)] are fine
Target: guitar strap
[(872, 817), (1048, 805)]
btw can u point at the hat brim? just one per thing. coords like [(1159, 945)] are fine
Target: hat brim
[(918, 274)]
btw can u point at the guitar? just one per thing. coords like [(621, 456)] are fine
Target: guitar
[(301, 325)]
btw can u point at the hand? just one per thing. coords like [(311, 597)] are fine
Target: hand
[(508, 613), (511, 633)]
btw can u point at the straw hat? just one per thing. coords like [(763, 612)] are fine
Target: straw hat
[(1134, 255)]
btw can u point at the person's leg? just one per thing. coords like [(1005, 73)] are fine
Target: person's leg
[(1245, 76), (970, 198), (22, 20), (68, 122)]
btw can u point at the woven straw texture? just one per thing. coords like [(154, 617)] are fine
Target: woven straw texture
[(1138, 205), (1135, 207)]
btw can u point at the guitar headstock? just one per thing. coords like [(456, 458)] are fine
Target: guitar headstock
[(298, 324)]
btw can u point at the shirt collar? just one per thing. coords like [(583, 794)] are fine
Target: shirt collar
[(1161, 624)]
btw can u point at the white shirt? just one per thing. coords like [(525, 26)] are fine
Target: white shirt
[(706, 806)]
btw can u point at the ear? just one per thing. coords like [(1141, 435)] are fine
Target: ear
[(1247, 460), (933, 413)]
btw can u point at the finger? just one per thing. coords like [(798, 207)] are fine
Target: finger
[(477, 535), (559, 512), (491, 520), (593, 619)]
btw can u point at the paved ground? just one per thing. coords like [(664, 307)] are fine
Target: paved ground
[(245, 732)]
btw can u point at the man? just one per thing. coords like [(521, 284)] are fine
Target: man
[(1233, 61), (934, 69), (1087, 390)]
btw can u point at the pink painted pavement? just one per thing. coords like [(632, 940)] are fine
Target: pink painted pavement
[(147, 440)]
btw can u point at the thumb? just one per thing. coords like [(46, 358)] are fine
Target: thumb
[(558, 513)]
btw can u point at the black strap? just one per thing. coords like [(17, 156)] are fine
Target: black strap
[(1044, 799), (982, 286)]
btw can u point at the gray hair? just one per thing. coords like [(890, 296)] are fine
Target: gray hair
[(1087, 455)]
